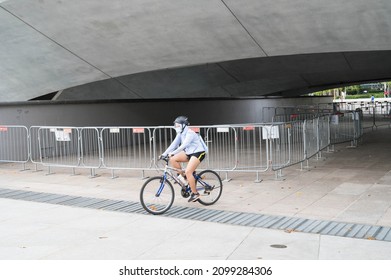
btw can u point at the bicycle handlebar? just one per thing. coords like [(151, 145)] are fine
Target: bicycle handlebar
[(165, 158)]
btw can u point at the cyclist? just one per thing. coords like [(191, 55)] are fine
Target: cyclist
[(187, 146)]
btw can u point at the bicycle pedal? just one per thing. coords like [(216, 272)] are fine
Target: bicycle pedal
[(208, 190)]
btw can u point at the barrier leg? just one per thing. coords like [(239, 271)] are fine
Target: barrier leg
[(36, 168), (226, 177), (24, 167), (307, 166), (92, 174), (112, 174), (74, 172), (279, 176), (143, 177), (352, 144), (49, 171), (330, 148), (258, 180)]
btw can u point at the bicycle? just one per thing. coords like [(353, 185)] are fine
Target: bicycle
[(157, 193)]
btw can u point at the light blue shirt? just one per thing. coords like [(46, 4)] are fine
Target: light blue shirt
[(187, 141)]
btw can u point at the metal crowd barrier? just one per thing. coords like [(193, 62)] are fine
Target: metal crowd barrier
[(34, 145), (287, 144), (237, 148), (323, 132), (343, 128), (126, 147), (162, 137), (90, 148), (14, 144), (232, 148), (311, 137), (59, 146), (252, 148), (374, 114), (221, 141)]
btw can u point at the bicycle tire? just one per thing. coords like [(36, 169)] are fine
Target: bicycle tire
[(213, 179), (157, 204)]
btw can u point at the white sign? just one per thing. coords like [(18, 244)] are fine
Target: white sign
[(223, 129), (63, 135), (270, 132)]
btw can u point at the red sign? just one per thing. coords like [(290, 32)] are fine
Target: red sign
[(195, 129), (138, 130), (3, 129), (248, 128)]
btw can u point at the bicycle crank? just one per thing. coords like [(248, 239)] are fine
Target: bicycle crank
[(185, 193)]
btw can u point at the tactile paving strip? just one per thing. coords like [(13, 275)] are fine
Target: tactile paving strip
[(333, 228)]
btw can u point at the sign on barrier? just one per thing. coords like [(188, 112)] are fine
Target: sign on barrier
[(246, 128), (138, 130), (270, 132), (59, 146), (222, 130), (62, 134)]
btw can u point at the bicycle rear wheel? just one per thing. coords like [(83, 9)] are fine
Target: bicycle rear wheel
[(209, 186), (157, 195)]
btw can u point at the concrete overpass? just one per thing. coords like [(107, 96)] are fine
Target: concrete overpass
[(151, 49)]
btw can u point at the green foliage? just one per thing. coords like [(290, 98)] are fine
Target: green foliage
[(365, 95), (356, 91), (353, 90)]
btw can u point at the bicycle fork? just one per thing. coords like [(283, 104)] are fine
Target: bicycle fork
[(163, 180)]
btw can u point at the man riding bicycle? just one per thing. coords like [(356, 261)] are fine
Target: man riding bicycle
[(188, 146)]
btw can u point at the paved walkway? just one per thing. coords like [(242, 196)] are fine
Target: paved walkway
[(349, 185)]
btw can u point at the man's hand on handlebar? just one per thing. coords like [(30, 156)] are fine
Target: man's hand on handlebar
[(164, 157)]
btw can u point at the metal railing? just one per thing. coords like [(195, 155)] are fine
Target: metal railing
[(374, 114), (232, 148), (14, 144), (126, 148), (287, 144)]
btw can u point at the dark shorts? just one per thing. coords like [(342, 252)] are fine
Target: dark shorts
[(200, 156)]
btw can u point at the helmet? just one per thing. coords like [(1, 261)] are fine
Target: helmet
[(183, 121)]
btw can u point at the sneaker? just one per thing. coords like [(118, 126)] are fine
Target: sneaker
[(194, 197)]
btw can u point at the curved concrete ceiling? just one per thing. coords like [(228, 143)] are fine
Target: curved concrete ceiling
[(138, 49)]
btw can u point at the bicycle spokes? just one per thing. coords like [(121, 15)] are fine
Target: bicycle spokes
[(209, 185), (157, 195)]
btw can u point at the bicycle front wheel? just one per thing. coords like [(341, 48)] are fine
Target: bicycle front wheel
[(209, 186), (157, 195)]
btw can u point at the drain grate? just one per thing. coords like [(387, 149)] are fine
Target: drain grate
[(333, 228)]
